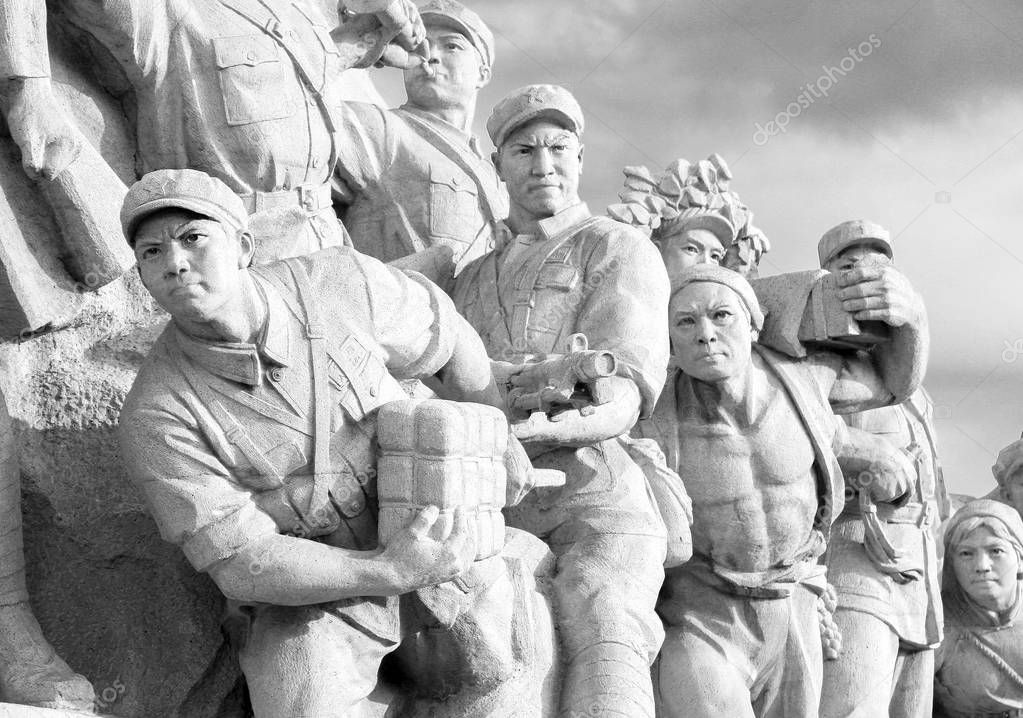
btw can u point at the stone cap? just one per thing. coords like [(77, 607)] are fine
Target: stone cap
[(185, 189), (848, 234), (714, 274), (466, 21), (701, 218), (530, 102)]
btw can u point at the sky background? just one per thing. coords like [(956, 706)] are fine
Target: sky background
[(921, 134)]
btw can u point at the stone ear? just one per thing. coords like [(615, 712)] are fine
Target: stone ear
[(248, 248), (485, 76)]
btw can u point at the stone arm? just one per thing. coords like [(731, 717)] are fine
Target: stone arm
[(882, 293), (198, 504), (625, 309), (38, 125), (290, 571), (467, 376), (587, 426), (892, 371)]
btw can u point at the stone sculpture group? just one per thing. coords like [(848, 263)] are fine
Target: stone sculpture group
[(434, 438)]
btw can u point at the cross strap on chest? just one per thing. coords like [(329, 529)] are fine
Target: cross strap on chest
[(524, 295), (268, 477)]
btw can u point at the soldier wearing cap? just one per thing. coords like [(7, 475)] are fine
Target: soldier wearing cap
[(249, 430), (697, 236), (558, 271), (753, 436), (415, 175), (241, 89), (889, 601)]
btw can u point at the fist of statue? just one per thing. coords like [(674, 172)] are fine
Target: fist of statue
[(402, 37), (419, 560), (48, 142), (567, 428), (880, 293), (890, 480)]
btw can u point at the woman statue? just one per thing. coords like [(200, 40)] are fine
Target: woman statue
[(692, 216), (979, 666)]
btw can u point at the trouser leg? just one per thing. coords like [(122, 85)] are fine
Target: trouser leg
[(696, 680), (914, 685), (605, 595), (793, 683), (305, 662), (859, 683)]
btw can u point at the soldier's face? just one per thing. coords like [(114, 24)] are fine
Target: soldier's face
[(456, 71), (190, 264), (986, 566), (856, 256), (710, 332), (541, 163), (689, 248)]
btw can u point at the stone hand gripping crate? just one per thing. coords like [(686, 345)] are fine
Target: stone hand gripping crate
[(446, 454)]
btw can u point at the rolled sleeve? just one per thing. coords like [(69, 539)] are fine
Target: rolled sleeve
[(412, 320), (626, 310), (190, 492)]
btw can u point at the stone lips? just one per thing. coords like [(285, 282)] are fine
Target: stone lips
[(445, 454)]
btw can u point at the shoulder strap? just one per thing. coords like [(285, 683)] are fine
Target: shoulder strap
[(314, 331), (266, 21), (455, 154), (268, 476), (523, 299)]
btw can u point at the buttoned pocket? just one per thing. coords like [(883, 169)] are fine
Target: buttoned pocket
[(562, 277), (454, 206), (358, 376), (256, 84)]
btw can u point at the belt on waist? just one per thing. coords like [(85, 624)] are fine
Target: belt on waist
[(310, 197), (803, 570)]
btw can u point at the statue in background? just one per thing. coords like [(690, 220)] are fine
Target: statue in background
[(693, 216), (243, 90), (560, 282), (251, 430), (1008, 472), (415, 177), (979, 665), (753, 437), (882, 558)]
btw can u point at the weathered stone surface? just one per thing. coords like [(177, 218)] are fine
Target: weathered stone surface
[(10, 710), (122, 607)]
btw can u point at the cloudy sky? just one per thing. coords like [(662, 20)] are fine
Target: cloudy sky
[(907, 112)]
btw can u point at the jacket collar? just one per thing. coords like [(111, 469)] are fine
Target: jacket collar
[(239, 361)]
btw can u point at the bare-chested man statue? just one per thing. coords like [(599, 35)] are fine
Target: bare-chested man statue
[(753, 436)]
